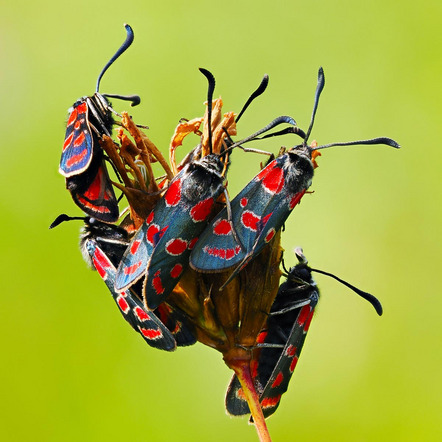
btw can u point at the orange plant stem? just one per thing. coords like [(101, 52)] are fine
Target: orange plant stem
[(242, 371)]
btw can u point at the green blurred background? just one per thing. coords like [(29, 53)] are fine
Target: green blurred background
[(72, 369)]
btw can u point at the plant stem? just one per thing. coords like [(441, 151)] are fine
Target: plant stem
[(242, 371)]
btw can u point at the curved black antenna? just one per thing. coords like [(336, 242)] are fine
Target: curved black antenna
[(211, 80), (63, 217), (134, 99), (277, 121), (370, 298), (259, 91), (381, 140), (288, 130), (319, 88), (284, 267), (123, 47)]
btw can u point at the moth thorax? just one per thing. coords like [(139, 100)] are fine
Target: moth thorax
[(211, 163), (299, 172), (99, 112)]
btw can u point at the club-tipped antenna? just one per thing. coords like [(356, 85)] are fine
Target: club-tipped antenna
[(288, 130), (211, 88), (63, 217), (370, 298), (123, 47), (259, 91), (134, 99), (276, 122), (319, 88), (380, 140)]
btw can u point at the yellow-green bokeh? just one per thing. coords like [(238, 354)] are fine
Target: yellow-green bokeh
[(72, 369)]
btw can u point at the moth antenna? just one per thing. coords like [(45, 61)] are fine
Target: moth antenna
[(380, 140), (259, 91), (123, 47), (288, 130), (370, 298), (319, 88), (63, 217), (134, 99), (283, 266), (277, 121), (211, 80)]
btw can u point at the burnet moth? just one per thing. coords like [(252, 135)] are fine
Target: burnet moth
[(262, 207), (280, 343), (82, 161), (102, 246), (161, 247)]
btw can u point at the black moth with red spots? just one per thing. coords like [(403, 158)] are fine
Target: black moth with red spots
[(82, 160), (103, 246), (163, 243), (161, 248), (280, 343), (263, 206)]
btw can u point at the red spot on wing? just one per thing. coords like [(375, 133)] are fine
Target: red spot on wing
[(270, 235), (141, 314), (308, 322), (134, 247), (303, 315), (296, 199), (176, 271), (230, 253), (151, 333), (225, 254), (261, 337), (192, 243), (81, 108), (99, 269), (290, 351), (72, 117), (173, 195), (157, 284), (78, 124), (222, 227), (243, 202), (176, 246), (128, 270), (273, 181), (76, 158), (150, 218), (293, 364), (279, 378), (101, 262), (154, 234), (151, 233), (265, 219), (81, 138), (68, 141), (122, 303), (270, 402), (250, 220), (264, 172), (202, 210)]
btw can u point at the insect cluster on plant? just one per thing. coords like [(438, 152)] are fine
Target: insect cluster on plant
[(185, 263)]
